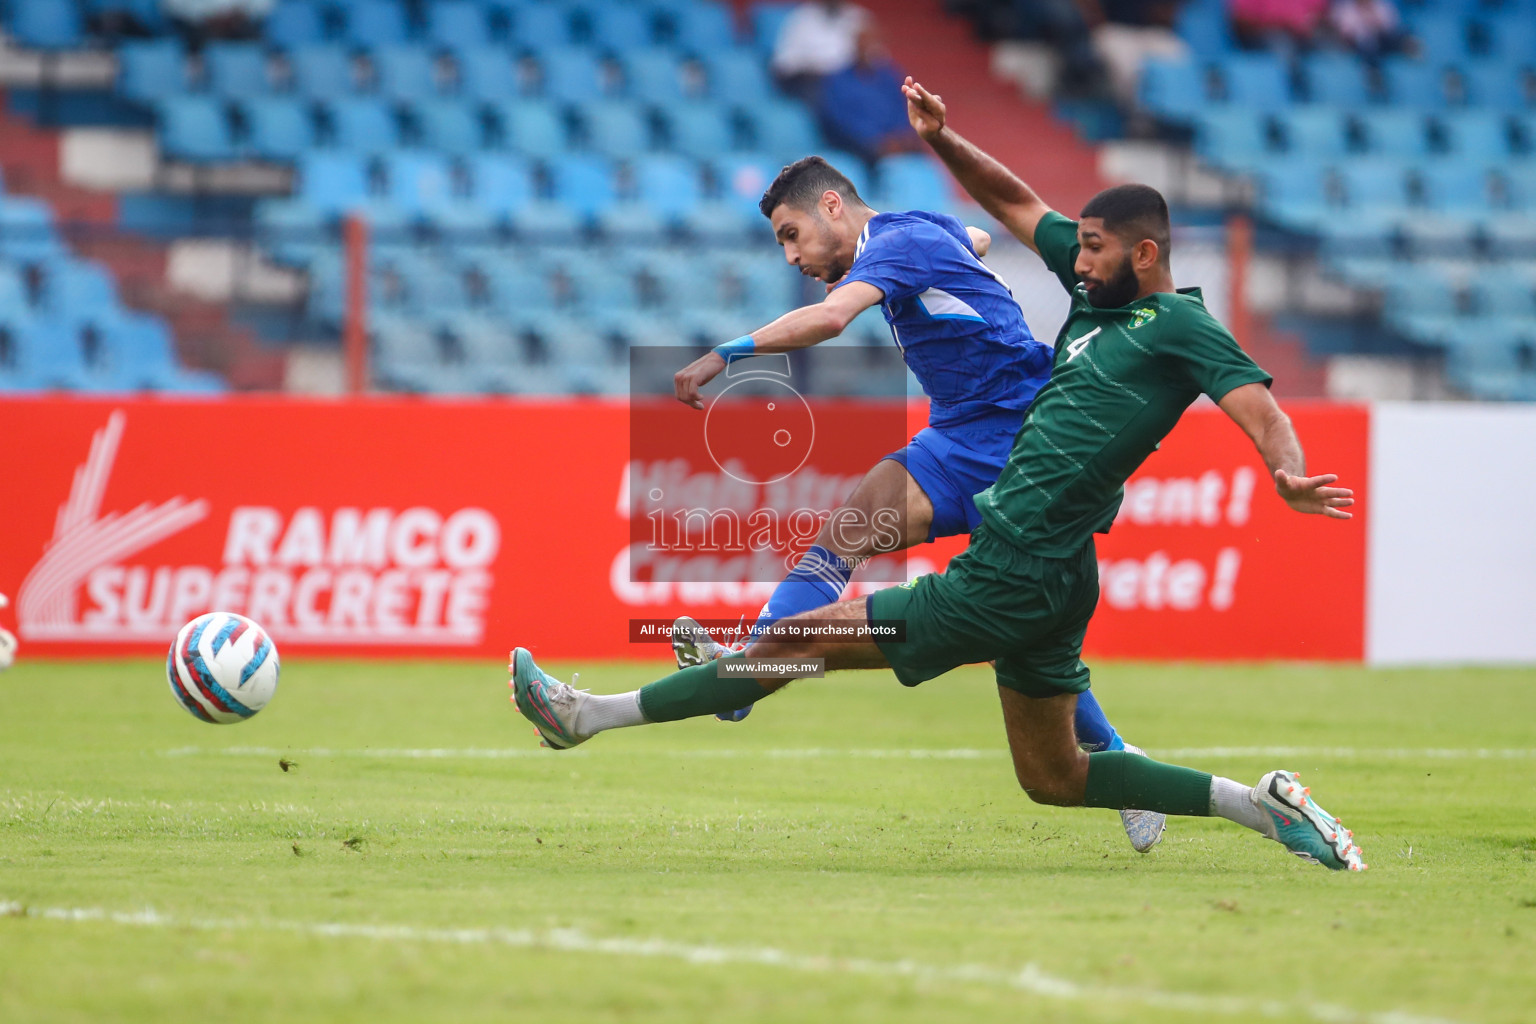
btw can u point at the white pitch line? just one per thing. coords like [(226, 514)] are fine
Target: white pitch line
[(1029, 978), (811, 753)]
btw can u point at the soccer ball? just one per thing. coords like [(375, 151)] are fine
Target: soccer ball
[(222, 668)]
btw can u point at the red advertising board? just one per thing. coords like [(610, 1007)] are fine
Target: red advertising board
[(395, 526)]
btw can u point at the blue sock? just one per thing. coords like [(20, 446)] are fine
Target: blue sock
[(1094, 732), (818, 579)]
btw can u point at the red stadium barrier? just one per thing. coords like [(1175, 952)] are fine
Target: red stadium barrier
[(394, 526)]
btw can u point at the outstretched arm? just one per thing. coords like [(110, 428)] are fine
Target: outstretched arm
[(1253, 408), (799, 328), (999, 191)]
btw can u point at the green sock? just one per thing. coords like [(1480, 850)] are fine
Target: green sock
[(1118, 779), (695, 691)]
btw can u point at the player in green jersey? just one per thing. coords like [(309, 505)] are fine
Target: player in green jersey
[(1133, 354)]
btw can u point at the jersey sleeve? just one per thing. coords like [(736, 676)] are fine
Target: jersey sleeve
[(1056, 239), (895, 261), (1211, 358)]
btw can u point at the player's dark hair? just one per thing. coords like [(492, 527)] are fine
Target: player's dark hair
[(1133, 213), (802, 184)]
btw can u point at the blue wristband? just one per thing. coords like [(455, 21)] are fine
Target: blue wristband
[(741, 348)]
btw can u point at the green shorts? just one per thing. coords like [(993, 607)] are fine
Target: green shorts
[(996, 602)]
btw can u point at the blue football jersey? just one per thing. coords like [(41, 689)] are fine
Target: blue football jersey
[(958, 326)]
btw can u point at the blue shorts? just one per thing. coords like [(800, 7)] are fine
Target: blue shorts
[(951, 474)]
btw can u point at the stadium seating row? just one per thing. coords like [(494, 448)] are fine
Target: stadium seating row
[(699, 24), (715, 198), (474, 352), (210, 129), (1245, 140), (155, 70), (114, 351), (1179, 90), (1446, 30)]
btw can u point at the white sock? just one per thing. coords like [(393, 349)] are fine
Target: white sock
[(608, 711), (1234, 801)]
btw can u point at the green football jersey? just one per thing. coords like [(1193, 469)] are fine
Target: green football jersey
[(1121, 380)]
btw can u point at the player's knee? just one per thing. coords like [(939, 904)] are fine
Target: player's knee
[(1057, 785)]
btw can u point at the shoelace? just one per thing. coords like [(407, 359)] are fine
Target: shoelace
[(565, 694)]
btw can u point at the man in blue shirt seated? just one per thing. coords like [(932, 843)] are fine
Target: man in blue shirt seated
[(861, 108)]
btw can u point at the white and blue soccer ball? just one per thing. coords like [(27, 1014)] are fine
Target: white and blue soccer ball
[(222, 668)]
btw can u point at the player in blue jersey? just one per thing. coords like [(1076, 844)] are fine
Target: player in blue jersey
[(963, 336)]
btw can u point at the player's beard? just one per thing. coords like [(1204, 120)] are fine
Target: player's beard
[(834, 269), (1118, 290)]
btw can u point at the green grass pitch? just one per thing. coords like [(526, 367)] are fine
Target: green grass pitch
[(853, 852)]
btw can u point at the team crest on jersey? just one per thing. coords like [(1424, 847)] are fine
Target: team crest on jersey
[(1144, 315)]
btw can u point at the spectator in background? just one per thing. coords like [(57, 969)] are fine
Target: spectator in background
[(1285, 25), (862, 108), (1371, 28), (816, 40)]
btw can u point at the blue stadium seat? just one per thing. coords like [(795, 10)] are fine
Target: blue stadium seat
[(767, 19), (532, 127), (582, 182), (1429, 235), (292, 230), (294, 23), (78, 290), (717, 221), (139, 354), (700, 129), (616, 128), (151, 71), (653, 76), (737, 76), (1374, 184), (486, 73), (1259, 81), (333, 182), (46, 25), (631, 221), (911, 183), (1233, 138), (705, 28), (1336, 79), (362, 124), (196, 128), (785, 129), (418, 181), (277, 127), (668, 184), (571, 74), (322, 72), (537, 28), (1494, 85), (1511, 35), (1204, 27), (1456, 185), (448, 126), (1521, 178), (47, 354), (501, 183), (1420, 289), (517, 288), (1413, 83), (457, 24), (235, 70), (1476, 135), (742, 178), (404, 72), (1396, 132), (407, 354), (146, 12), (1295, 192), (1315, 131), (1173, 90), (852, 166), (618, 28), (1442, 35), (1505, 292), (1511, 236), (463, 222), (373, 23)]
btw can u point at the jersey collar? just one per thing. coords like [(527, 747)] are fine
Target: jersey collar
[(858, 250)]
